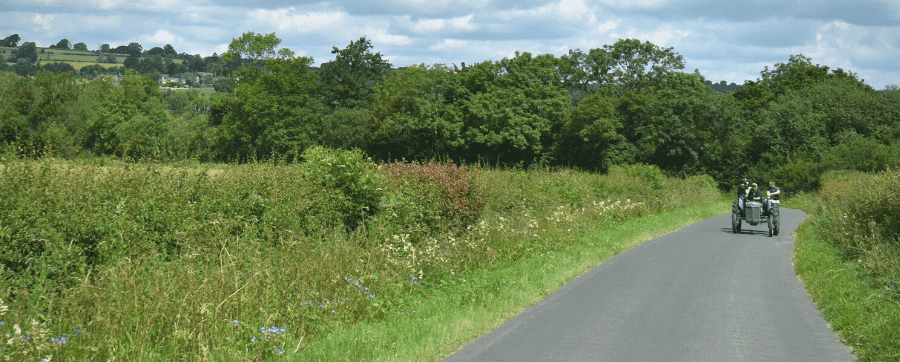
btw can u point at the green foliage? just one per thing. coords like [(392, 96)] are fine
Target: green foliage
[(270, 115), (512, 107), (624, 66), (347, 178), (856, 216), (673, 121), (27, 51), (176, 260), (415, 115), (649, 175), (432, 198), (10, 41), (591, 137), (864, 154), (348, 80), (129, 121)]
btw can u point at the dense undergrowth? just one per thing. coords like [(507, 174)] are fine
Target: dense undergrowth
[(850, 259), (107, 259)]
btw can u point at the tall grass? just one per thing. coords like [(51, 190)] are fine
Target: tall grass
[(849, 258), (107, 259)]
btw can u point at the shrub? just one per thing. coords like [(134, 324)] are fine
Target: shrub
[(860, 218), (433, 197), (347, 178)]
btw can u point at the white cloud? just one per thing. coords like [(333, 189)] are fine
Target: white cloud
[(382, 36), (453, 25), (162, 37), (607, 26), (44, 22), (450, 44), (292, 21)]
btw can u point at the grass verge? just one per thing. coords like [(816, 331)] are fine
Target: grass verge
[(459, 311), (864, 315)]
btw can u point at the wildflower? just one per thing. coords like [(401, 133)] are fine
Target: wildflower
[(59, 340), (262, 329), (332, 311), (370, 296), (279, 351), (234, 321), (2, 324), (253, 339), (77, 331)]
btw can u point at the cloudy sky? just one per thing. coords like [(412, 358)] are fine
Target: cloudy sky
[(725, 40)]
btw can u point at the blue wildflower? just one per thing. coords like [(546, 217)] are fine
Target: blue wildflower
[(234, 321), (77, 331), (262, 329), (253, 340), (279, 351), (59, 340), (2, 324), (370, 296)]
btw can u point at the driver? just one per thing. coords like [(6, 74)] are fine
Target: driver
[(755, 194)]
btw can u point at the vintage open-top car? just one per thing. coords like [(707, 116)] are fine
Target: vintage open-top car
[(753, 214)]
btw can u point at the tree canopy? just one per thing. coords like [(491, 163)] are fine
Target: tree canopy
[(620, 104)]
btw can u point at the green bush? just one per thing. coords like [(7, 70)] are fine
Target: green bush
[(861, 218), (347, 178)]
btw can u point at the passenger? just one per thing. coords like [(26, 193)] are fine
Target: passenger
[(774, 193), (741, 192)]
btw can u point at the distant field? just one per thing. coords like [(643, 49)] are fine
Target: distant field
[(77, 58)]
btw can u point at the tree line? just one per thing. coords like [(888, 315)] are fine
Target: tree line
[(624, 103)]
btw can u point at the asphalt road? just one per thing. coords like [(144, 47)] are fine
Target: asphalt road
[(698, 294)]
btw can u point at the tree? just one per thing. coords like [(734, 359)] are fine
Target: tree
[(92, 70), (80, 47), (133, 62), (129, 119), (169, 51), (64, 44), (272, 114), (673, 121), (11, 41), (104, 48), (28, 51), (348, 79), (512, 107), (591, 137), (58, 67), (412, 116), (270, 109), (797, 74), (623, 66), (134, 49), (155, 51), (249, 53)]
